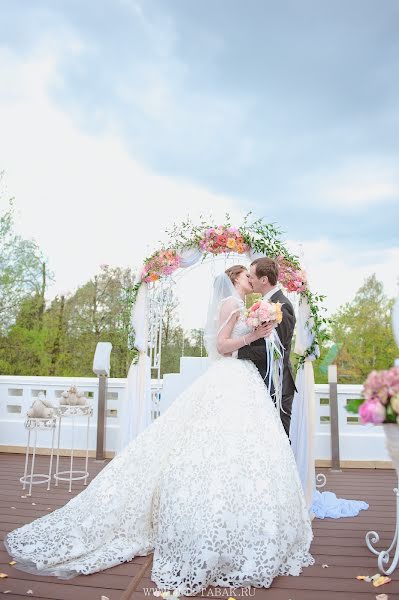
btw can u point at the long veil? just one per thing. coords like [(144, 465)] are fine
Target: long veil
[(223, 303)]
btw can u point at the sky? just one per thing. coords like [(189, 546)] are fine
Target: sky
[(120, 117)]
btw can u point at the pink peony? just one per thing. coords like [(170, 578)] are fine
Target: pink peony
[(372, 411), (376, 385), (392, 381)]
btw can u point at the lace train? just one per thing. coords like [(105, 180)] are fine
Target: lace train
[(211, 487)]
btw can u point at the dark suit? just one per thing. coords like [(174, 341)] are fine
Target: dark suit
[(256, 352)]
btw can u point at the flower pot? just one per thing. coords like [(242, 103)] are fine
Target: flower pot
[(392, 443)]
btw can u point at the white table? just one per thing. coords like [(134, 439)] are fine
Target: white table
[(67, 411), (36, 424)]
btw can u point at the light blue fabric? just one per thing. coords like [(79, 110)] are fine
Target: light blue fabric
[(327, 505)]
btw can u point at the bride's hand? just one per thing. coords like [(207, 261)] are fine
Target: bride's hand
[(263, 330)]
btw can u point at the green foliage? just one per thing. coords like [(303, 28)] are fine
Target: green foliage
[(262, 238), (23, 271), (363, 330), (353, 405), (60, 337), (64, 340)]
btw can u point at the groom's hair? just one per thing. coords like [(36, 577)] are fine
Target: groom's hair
[(266, 267)]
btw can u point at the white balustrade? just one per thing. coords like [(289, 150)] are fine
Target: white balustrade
[(357, 442)]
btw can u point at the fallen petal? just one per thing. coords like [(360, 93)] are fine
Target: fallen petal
[(104, 598), (13, 508), (382, 597), (3, 575), (381, 581), (33, 503), (325, 566), (361, 577), (12, 563), (29, 592)]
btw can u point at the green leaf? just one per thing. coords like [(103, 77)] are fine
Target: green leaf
[(353, 405)]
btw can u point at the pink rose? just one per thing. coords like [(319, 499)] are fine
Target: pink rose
[(372, 411), (291, 287)]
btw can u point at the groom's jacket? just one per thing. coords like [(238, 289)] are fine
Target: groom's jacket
[(256, 352)]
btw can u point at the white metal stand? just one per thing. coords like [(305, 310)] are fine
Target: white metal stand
[(372, 537), (35, 424), (69, 411)]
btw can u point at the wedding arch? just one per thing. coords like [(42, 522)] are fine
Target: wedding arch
[(188, 245)]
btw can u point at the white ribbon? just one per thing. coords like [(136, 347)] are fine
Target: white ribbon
[(275, 368)]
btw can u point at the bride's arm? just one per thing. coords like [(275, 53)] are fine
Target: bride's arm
[(226, 344)]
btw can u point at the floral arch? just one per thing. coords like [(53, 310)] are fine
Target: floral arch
[(189, 244)]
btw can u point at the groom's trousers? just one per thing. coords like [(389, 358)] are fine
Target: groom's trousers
[(256, 353)]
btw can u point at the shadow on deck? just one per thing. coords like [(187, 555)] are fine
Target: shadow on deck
[(337, 543)]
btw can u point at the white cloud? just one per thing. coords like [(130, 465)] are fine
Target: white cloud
[(359, 184), (334, 273), (84, 198), (87, 201)]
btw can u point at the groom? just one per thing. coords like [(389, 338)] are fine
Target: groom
[(263, 277)]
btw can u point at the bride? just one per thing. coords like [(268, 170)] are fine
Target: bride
[(210, 487)]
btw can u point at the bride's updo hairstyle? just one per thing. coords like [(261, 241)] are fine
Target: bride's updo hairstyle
[(234, 271)]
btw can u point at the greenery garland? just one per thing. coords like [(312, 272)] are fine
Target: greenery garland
[(258, 236)]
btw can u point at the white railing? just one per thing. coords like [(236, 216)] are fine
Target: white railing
[(17, 394), (357, 442)]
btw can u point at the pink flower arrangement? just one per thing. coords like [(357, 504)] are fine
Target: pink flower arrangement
[(294, 280), (223, 239), (372, 411), (161, 264), (381, 398), (264, 311)]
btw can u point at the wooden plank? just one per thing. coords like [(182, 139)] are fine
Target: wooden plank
[(59, 591), (104, 579), (338, 543)]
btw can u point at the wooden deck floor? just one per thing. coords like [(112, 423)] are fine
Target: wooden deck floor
[(337, 543)]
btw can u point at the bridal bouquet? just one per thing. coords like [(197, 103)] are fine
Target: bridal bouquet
[(264, 311), (381, 398)]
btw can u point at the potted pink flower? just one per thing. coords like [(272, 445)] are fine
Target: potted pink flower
[(380, 405)]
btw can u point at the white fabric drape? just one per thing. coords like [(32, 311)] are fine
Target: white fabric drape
[(189, 256), (135, 413), (302, 428)]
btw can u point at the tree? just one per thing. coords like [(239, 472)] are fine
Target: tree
[(98, 311), (23, 271), (363, 329)]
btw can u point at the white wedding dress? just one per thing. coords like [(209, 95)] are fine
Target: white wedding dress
[(211, 487)]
